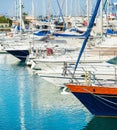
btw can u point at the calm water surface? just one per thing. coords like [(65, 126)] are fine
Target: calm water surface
[(30, 103)]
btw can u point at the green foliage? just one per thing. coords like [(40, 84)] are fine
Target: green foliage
[(9, 21), (5, 20), (24, 14), (26, 22)]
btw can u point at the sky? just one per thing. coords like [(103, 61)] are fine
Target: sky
[(8, 6), (42, 7)]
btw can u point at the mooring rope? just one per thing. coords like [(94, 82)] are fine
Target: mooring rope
[(99, 97)]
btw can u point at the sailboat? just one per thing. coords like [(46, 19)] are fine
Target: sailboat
[(99, 98)]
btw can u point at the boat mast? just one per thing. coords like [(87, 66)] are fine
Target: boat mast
[(66, 7), (61, 14), (79, 7), (101, 18), (49, 9), (16, 11), (20, 2), (88, 11), (71, 9), (32, 9)]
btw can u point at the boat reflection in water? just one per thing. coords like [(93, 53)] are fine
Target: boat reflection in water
[(103, 123)]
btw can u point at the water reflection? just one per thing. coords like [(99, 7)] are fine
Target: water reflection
[(29, 102), (21, 105), (56, 111), (102, 123)]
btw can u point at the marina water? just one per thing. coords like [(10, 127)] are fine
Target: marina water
[(28, 102)]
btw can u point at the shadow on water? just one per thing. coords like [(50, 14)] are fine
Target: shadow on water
[(21, 63), (102, 123)]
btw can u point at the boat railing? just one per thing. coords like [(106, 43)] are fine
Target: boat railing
[(73, 78), (89, 75)]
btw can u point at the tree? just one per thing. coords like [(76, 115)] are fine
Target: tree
[(3, 19), (24, 18)]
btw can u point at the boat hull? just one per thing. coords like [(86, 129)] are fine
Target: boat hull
[(99, 101), (20, 54)]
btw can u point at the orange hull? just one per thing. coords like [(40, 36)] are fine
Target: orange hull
[(99, 100), (92, 89)]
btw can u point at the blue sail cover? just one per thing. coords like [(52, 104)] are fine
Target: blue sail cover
[(91, 23), (42, 33), (111, 32), (80, 36)]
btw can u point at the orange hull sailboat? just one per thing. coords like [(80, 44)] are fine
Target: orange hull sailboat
[(100, 100)]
